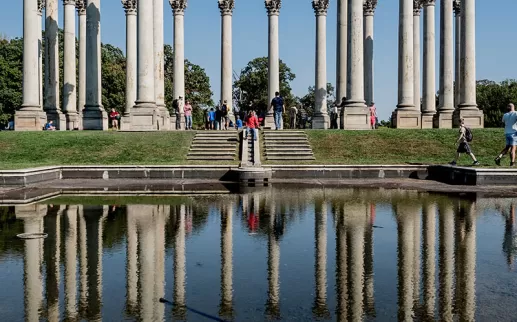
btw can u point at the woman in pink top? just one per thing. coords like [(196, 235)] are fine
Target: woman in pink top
[(188, 116), (373, 116)]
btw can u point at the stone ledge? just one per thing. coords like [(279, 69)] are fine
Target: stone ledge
[(472, 176)]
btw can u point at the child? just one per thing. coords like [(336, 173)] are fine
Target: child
[(463, 146), (238, 123)]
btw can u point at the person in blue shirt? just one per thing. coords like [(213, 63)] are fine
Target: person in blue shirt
[(277, 104), (238, 123), (50, 126), (211, 118)]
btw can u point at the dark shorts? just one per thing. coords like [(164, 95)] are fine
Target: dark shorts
[(464, 147)]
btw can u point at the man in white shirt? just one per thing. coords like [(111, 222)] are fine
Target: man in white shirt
[(510, 132)]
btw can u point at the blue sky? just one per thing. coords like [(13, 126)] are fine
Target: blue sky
[(496, 39)]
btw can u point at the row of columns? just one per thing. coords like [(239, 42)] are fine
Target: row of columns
[(455, 101)]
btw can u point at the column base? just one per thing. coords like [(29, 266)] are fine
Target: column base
[(269, 121), (31, 120), (58, 118), (144, 117), (72, 121), (180, 121), (172, 124), (320, 122), (473, 118), (406, 119), (427, 120), (355, 118), (443, 120), (95, 118), (125, 123), (164, 118)]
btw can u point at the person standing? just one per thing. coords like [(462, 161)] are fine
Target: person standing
[(218, 118), (302, 117), (510, 132), (465, 136), (292, 117), (114, 117), (252, 125), (188, 116), (211, 118), (333, 116), (224, 114), (238, 122), (277, 104), (373, 116)]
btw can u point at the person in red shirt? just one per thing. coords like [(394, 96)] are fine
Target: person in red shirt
[(252, 125), (114, 117)]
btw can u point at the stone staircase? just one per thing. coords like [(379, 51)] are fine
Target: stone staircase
[(214, 146), (287, 145)]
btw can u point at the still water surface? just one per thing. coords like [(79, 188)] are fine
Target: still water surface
[(285, 254)]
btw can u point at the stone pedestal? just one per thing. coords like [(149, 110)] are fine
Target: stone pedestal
[(356, 118), (144, 117), (29, 120), (473, 118), (406, 119), (443, 120), (95, 119)]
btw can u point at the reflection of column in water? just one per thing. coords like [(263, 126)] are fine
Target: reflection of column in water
[(405, 221), (52, 259), (146, 260), (320, 309), (341, 268), (429, 265), (459, 235), (446, 251), (83, 264), (355, 241), (273, 263), (159, 275), (468, 309), (416, 261), (132, 258), (179, 266), (33, 282), (71, 262), (226, 306), (369, 297)]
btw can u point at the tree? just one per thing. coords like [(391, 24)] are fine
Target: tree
[(113, 78), (309, 100), (252, 85), (11, 75), (493, 99)]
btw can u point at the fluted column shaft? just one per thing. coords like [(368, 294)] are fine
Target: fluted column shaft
[(321, 120), (406, 67), (159, 78), (429, 77), (417, 10), (40, 54), (131, 59), (51, 56), (341, 55), (457, 54), (30, 55), (273, 11), (369, 11), (81, 11), (145, 85), (446, 58), (69, 70), (468, 55), (320, 266), (226, 8), (355, 70), (179, 60)]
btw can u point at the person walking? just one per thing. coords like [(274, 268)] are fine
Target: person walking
[(333, 117), (464, 137), (277, 104), (373, 116), (188, 116), (292, 117), (510, 132)]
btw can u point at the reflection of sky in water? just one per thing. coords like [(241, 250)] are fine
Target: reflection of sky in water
[(266, 255)]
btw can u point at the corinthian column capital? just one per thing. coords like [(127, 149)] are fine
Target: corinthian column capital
[(320, 7), (457, 7), (417, 7), (67, 2), (41, 4), (178, 6), (129, 6), (226, 6), (273, 6), (427, 3), (80, 5), (369, 7)]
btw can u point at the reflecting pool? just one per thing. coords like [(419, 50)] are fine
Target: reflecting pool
[(277, 253)]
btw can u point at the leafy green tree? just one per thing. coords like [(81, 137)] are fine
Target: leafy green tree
[(113, 78), (252, 85), (493, 98), (11, 76), (309, 100)]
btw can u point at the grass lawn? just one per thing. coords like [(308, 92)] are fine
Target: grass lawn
[(391, 146), (383, 146)]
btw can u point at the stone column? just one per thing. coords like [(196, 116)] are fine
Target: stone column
[(71, 259), (144, 112), (41, 4), (429, 76), (130, 7), (446, 271), (94, 115), (178, 10), (321, 119), (446, 105), (164, 118), (273, 11), (341, 54), (429, 263), (457, 52), (407, 115), (369, 12), (417, 10), (467, 109), (355, 115), (226, 306), (69, 83), (30, 116), (226, 7), (81, 97), (52, 106)]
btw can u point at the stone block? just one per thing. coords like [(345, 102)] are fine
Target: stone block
[(29, 120), (427, 121), (356, 118), (73, 121), (95, 119), (144, 117), (321, 122), (58, 118), (473, 118), (406, 119), (164, 119), (443, 120), (125, 123)]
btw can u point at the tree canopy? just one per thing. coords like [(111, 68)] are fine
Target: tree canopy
[(309, 100), (493, 99)]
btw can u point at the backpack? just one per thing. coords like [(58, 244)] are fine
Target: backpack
[(468, 134)]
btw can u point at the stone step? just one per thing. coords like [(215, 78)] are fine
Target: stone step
[(232, 135), (213, 145), (276, 138), (286, 145), (219, 158), (285, 158), (289, 154), (216, 138), (304, 150), (283, 131), (196, 149)]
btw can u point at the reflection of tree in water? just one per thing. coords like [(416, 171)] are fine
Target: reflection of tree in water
[(510, 236)]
